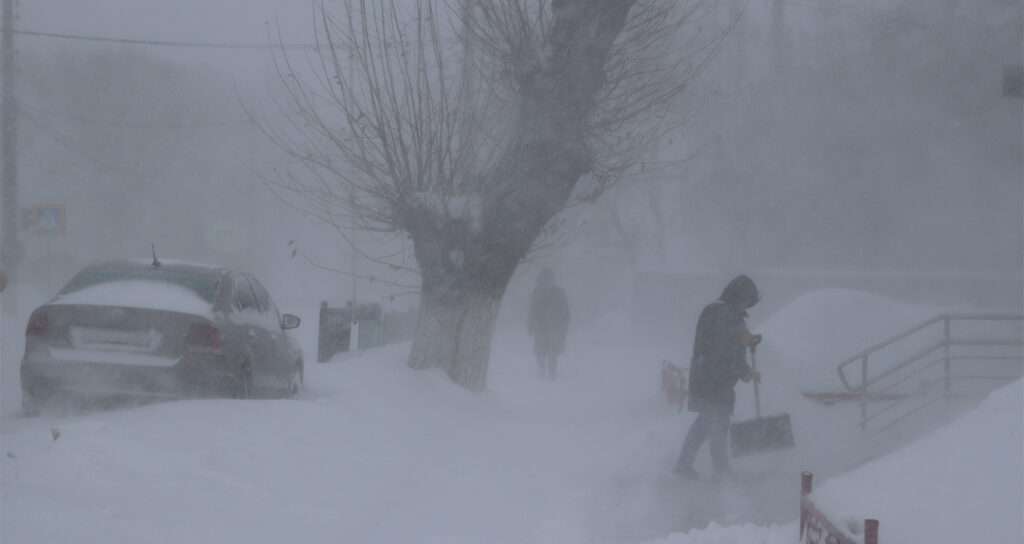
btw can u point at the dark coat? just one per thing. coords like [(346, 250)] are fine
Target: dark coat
[(719, 355), (548, 321)]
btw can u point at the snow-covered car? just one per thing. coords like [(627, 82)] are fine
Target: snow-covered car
[(151, 329)]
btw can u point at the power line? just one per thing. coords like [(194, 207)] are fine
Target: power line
[(163, 43)]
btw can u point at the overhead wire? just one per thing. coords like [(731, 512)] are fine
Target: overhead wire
[(163, 43)]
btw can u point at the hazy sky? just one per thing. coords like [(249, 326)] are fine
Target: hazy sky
[(242, 21), (201, 20), (888, 101)]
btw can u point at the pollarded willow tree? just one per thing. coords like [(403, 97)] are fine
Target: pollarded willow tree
[(470, 126)]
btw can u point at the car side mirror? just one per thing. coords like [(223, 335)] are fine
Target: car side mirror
[(289, 321)]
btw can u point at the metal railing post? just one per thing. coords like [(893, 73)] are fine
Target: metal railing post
[(947, 339), (864, 393)]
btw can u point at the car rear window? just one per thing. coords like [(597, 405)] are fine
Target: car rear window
[(200, 281)]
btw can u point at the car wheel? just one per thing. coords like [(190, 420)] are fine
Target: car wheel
[(243, 387)]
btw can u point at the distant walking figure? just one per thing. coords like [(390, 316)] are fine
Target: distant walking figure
[(719, 361), (548, 322)]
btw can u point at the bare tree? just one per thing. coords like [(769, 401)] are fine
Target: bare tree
[(394, 136)]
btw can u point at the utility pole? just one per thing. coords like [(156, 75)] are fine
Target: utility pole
[(10, 249)]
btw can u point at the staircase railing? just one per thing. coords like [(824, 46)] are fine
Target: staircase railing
[(936, 364)]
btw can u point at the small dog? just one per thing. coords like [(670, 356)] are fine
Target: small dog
[(673, 384)]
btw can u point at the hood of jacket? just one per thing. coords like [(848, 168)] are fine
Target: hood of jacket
[(740, 293)]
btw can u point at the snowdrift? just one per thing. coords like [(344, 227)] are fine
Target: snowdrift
[(736, 534), (815, 332), (963, 483)]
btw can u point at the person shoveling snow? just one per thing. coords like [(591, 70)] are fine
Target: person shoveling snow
[(719, 362)]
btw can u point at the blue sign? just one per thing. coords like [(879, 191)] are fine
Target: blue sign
[(49, 220)]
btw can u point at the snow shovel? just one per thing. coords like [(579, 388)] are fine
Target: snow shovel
[(760, 434)]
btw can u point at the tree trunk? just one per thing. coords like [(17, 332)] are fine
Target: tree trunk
[(465, 268), (454, 332)]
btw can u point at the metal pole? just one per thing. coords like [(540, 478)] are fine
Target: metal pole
[(947, 363), (353, 328), (9, 129), (10, 251), (757, 390), (864, 393)]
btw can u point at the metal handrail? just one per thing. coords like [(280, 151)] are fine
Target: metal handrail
[(897, 367), (893, 339), (946, 343), (928, 386), (941, 360), (933, 348), (883, 344)]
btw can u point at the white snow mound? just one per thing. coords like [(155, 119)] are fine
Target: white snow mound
[(814, 333), (962, 483), (736, 534)]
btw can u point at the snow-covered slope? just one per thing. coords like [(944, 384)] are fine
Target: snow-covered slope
[(963, 483), (815, 332)]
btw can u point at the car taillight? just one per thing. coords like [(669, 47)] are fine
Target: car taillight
[(204, 337), (38, 324)]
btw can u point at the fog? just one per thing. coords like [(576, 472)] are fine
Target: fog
[(858, 139), (874, 146)]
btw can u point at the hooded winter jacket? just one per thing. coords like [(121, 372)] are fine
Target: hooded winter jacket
[(719, 355)]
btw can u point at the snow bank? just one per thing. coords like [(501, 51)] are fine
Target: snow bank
[(964, 483), (818, 330), (737, 534), (139, 294)]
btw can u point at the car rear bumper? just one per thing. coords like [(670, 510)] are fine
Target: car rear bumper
[(46, 376)]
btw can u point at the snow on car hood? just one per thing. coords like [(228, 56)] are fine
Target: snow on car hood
[(151, 295)]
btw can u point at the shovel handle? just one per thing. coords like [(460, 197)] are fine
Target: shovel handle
[(757, 389)]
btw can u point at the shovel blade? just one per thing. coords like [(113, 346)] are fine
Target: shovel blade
[(760, 435)]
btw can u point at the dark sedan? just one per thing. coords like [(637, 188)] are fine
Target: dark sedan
[(151, 329)]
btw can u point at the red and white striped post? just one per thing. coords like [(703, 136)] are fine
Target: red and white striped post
[(818, 528), (806, 486), (871, 531)]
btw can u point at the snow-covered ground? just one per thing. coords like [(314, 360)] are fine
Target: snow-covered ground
[(374, 452), (962, 483)]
